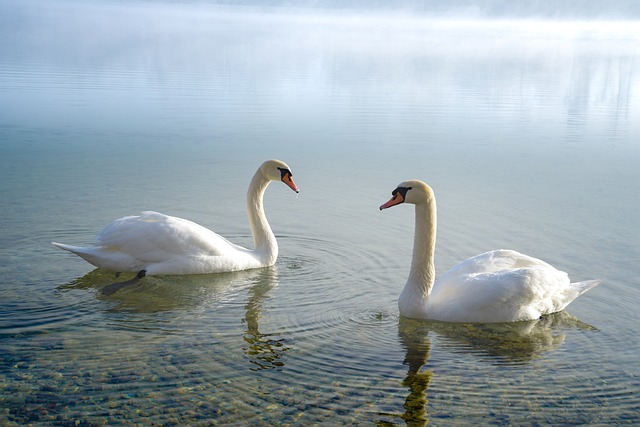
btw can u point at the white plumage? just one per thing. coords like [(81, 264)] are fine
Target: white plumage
[(160, 244), (496, 286)]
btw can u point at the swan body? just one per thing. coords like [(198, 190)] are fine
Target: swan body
[(497, 286), (160, 244)]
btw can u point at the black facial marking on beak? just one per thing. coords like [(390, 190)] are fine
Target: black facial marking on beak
[(397, 197), (402, 191), (284, 173)]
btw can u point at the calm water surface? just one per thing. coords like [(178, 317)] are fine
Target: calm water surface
[(528, 131)]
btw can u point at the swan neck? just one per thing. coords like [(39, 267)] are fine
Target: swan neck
[(266, 246), (422, 273)]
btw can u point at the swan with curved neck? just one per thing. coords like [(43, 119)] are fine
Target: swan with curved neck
[(156, 244), (496, 286)]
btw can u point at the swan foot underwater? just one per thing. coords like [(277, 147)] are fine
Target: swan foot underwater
[(156, 244), (112, 288), (494, 287)]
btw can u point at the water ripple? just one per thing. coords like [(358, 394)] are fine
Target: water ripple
[(20, 318)]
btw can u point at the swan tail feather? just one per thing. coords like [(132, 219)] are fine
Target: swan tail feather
[(582, 287), (107, 258), (75, 249), (88, 254)]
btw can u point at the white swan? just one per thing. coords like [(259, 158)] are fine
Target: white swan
[(156, 244), (497, 286)]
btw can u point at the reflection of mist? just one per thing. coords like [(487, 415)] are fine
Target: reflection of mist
[(596, 82), (512, 343), (444, 72)]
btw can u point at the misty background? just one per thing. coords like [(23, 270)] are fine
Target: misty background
[(565, 9)]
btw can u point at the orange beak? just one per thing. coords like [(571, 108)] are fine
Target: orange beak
[(289, 181), (396, 199)]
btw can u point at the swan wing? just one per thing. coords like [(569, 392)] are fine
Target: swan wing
[(494, 261), (155, 237), (501, 286)]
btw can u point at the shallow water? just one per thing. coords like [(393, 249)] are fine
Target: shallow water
[(527, 130)]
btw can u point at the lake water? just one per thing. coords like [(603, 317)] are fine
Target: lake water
[(528, 131)]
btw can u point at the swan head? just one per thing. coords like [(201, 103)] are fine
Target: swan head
[(276, 170), (414, 191)]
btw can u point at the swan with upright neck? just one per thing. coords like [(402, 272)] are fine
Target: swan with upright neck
[(493, 287), (156, 244)]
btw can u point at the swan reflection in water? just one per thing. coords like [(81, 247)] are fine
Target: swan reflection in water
[(497, 343), (172, 295), (264, 350)]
